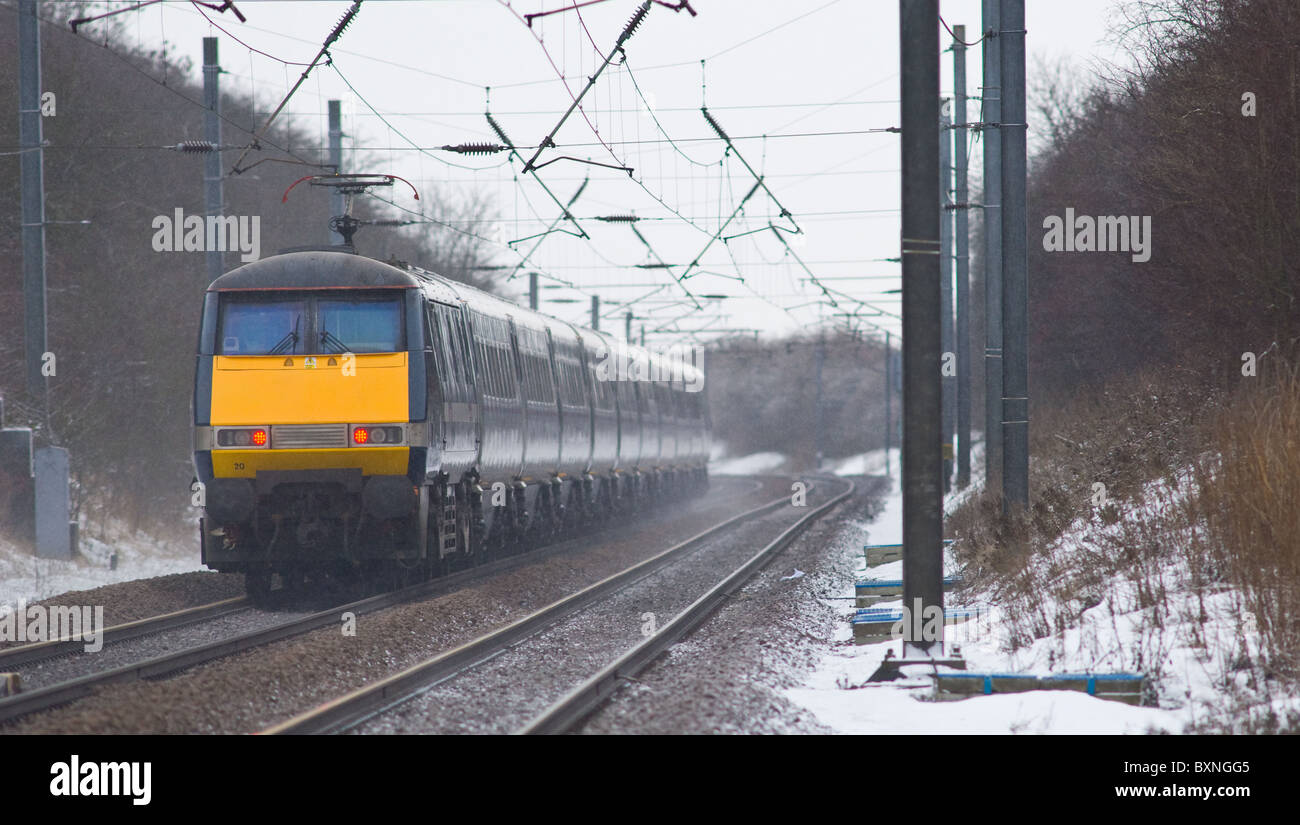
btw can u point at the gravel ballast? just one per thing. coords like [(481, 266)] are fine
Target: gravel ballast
[(508, 691), (728, 676), (145, 598), (253, 690)]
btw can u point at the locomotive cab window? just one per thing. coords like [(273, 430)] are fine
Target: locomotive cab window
[(360, 324), (259, 323), (257, 326)]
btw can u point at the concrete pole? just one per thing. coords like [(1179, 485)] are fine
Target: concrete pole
[(534, 298), (337, 205), (889, 405), (627, 327), (922, 393), (1015, 262), (818, 437), (212, 194), (945, 289), (992, 94), (32, 174), (595, 312), (962, 217)]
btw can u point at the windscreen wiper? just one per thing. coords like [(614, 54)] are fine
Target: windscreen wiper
[(290, 338), (328, 338)]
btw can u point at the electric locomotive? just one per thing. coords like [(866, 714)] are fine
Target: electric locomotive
[(374, 422)]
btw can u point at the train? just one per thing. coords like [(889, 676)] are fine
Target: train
[(360, 421)]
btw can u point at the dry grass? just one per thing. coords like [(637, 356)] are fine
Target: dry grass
[(1226, 520), (1251, 505), (1121, 436)]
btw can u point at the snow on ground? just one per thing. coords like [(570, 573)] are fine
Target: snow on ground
[(25, 577), (868, 463), (747, 465), (1188, 650), (872, 462)]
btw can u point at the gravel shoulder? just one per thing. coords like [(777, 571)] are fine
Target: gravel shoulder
[(728, 676), (146, 598)]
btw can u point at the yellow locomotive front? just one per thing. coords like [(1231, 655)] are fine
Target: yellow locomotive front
[(310, 435)]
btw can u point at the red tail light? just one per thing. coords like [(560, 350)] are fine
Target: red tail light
[(360, 435), (242, 438)]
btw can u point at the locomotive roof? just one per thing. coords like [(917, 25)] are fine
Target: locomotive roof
[(313, 270)]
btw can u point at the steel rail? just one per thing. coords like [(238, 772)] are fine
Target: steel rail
[(580, 703), (349, 710), (37, 651)]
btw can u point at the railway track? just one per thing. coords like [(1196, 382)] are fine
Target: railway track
[(64, 692), (566, 714), (13, 657), (374, 699)]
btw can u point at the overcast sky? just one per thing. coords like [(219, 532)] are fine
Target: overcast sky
[(798, 72)]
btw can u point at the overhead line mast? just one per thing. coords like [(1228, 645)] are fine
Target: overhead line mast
[(922, 394)]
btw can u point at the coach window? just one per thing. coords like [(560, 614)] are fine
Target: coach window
[(432, 323), (447, 360)]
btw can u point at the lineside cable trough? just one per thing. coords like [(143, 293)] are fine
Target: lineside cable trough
[(878, 554), (1119, 687), (881, 624), (947, 676), (868, 592)]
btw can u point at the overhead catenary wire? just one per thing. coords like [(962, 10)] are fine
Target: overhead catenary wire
[(595, 131), (549, 230), (514, 155), (198, 6), (53, 24), (628, 30), (484, 239), (731, 147), (718, 234), (333, 36), (954, 36), (654, 117), (615, 110), (610, 139), (661, 264), (223, 7), (423, 150), (609, 144)]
